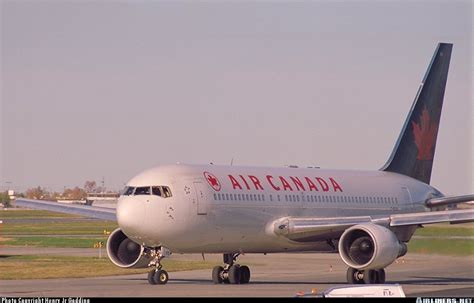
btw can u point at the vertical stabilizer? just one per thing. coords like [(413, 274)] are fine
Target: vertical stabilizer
[(414, 151)]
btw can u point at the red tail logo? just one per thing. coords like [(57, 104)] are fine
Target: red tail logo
[(425, 136), (213, 181)]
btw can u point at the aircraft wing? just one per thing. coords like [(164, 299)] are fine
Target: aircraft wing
[(103, 213), (314, 229)]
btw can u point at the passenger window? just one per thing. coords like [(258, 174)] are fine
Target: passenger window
[(156, 190), (128, 191), (144, 190)]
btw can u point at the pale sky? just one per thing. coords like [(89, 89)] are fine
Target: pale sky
[(93, 89)]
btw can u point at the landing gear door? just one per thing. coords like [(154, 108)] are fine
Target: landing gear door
[(201, 198)]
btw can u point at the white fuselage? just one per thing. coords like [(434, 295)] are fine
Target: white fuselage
[(221, 209)]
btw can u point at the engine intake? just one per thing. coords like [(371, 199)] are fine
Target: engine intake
[(125, 253), (370, 246)]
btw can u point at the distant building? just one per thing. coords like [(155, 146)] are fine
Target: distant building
[(11, 194)]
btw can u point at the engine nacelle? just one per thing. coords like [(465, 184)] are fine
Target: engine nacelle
[(125, 253), (370, 246)]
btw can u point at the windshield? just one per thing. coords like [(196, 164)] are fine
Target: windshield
[(161, 191), (144, 190)]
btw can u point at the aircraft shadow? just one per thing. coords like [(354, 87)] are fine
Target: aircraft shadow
[(208, 281), (419, 280), (435, 280)]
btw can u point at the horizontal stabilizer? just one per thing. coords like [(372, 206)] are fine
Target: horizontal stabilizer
[(306, 229), (434, 202), (432, 217), (82, 210)]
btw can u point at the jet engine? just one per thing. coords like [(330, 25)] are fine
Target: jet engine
[(370, 246), (125, 253)]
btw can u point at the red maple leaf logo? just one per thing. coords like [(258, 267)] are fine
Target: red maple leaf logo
[(425, 136), (213, 181)]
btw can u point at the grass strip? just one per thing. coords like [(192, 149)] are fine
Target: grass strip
[(58, 228), (453, 247), (49, 267), (42, 241), (31, 214)]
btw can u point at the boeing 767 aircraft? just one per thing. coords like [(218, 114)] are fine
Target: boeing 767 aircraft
[(365, 216)]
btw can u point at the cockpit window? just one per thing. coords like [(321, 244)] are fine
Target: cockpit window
[(162, 191), (128, 191), (166, 191), (144, 190), (156, 190)]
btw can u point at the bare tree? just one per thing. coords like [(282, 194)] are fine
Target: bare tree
[(75, 193), (90, 186), (37, 193)]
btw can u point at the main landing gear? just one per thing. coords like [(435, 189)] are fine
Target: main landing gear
[(371, 276), (158, 275), (231, 273)]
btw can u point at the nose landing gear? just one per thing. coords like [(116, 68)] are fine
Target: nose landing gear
[(372, 276), (158, 275), (231, 273)]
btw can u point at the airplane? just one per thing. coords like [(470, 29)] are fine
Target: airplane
[(365, 216)]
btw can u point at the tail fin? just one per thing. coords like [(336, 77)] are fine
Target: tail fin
[(415, 148)]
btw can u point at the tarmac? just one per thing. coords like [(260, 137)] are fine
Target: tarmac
[(272, 275)]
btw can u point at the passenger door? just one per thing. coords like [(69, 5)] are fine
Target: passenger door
[(201, 198)]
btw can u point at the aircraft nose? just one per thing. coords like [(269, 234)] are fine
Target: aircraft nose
[(131, 216)]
